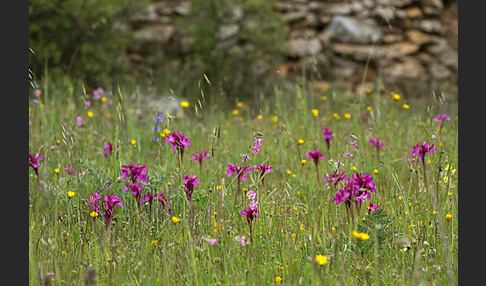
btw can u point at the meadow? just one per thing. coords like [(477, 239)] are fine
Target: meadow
[(312, 186)]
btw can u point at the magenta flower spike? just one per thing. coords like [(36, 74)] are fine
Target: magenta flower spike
[(190, 183), (327, 133), (316, 155), (441, 118), (107, 149), (241, 172), (201, 156), (134, 172), (375, 142), (178, 142), (93, 203), (373, 208), (336, 177), (34, 161), (109, 204), (421, 150), (262, 170)]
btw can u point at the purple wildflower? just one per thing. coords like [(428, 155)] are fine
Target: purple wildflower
[(373, 208), (375, 142), (161, 198), (364, 181), (245, 156), (241, 172), (33, 161), (98, 93), (37, 92), (190, 183), (136, 189), (134, 172), (316, 155), (69, 170), (251, 212), (256, 145), (178, 142), (243, 240), (422, 149), (110, 202), (336, 177), (107, 149), (93, 203), (327, 133), (79, 121), (441, 118), (201, 156)]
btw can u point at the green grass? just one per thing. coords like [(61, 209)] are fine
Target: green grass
[(298, 220)]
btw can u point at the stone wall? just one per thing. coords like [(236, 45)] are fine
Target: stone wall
[(409, 45)]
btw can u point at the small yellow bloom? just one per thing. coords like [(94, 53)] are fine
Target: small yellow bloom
[(300, 141), (369, 108), (103, 99), (315, 112), (278, 279), (239, 104), (168, 183), (90, 114), (64, 252), (94, 214), (396, 96), (274, 118), (321, 259), (58, 141), (354, 168), (434, 212), (289, 172), (70, 194), (298, 192), (259, 117), (175, 219), (375, 171), (368, 91), (184, 104), (294, 175), (400, 198), (323, 98), (448, 216), (235, 111), (218, 187), (303, 161), (336, 116), (449, 193), (333, 229), (56, 170), (294, 235), (133, 141), (154, 242), (360, 235), (347, 115), (405, 106)]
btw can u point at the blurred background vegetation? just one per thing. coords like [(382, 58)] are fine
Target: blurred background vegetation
[(88, 41)]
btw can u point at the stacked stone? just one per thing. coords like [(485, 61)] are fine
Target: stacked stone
[(408, 45)]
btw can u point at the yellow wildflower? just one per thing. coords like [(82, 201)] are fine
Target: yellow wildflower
[(90, 114), (184, 104), (360, 235), (175, 219), (321, 259), (70, 194), (315, 112)]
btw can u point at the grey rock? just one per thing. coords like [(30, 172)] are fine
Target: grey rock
[(344, 29)]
